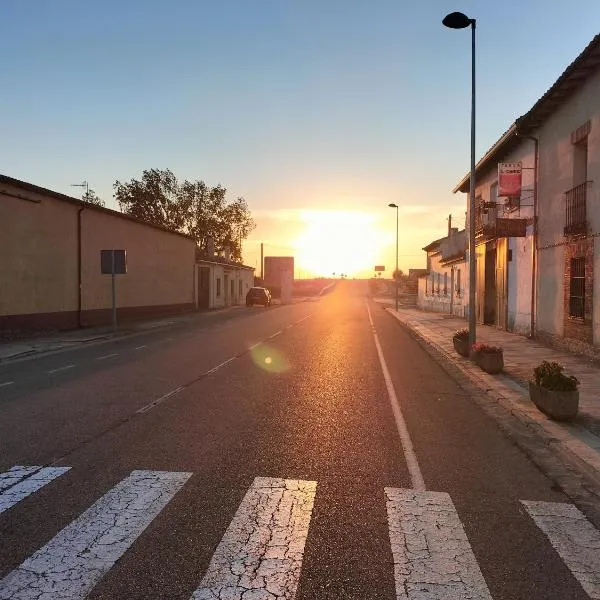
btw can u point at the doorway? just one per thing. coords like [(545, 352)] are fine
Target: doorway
[(490, 301)]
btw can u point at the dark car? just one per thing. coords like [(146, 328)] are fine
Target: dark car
[(258, 295)]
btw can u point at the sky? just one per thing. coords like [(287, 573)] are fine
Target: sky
[(318, 112)]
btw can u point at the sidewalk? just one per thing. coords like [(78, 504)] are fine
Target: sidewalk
[(579, 439)]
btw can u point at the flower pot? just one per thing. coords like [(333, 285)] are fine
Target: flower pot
[(461, 346), (558, 405), (490, 362)]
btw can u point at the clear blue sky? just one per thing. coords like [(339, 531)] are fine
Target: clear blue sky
[(292, 104)]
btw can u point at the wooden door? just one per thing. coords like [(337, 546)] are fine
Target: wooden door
[(480, 282), (502, 283)]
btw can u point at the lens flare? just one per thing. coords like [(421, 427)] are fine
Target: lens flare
[(269, 359)]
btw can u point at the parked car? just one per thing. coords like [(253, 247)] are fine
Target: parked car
[(258, 295)]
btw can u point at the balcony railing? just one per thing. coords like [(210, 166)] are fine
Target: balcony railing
[(576, 210)]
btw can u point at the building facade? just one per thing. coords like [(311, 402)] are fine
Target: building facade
[(442, 286), (222, 282), (536, 252)]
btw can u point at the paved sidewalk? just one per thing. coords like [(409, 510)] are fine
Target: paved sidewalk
[(579, 439)]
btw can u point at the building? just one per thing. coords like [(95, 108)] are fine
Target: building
[(536, 252), (50, 267), (441, 287)]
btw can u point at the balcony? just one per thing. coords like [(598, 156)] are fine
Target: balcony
[(489, 225), (576, 210)]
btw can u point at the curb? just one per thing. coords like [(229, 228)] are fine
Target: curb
[(510, 409)]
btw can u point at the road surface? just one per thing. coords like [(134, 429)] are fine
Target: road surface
[(312, 451)]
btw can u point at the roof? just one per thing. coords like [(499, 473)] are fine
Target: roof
[(219, 260), (30, 187), (571, 80), (432, 245)]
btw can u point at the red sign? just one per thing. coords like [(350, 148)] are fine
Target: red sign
[(509, 179), (379, 268)]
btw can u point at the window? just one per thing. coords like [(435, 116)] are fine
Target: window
[(218, 287), (426, 286), (437, 289), (433, 283), (458, 282), (577, 288), (240, 288), (446, 283), (232, 288)]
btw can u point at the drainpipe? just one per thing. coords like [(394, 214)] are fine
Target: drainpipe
[(79, 266), (534, 249)]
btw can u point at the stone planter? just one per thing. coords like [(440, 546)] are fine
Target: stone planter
[(490, 362), (461, 346), (560, 406)]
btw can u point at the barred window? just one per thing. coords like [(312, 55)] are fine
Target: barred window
[(218, 287), (446, 284), (577, 288), (458, 282)]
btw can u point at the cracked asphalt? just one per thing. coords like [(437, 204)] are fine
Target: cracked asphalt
[(273, 421)]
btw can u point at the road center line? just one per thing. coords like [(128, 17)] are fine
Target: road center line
[(274, 335), (142, 346), (225, 362), (254, 345), (6, 383), (409, 453), (303, 319), (60, 369), (107, 356), (160, 400)]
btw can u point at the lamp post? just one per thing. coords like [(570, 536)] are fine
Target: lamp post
[(392, 205), (458, 20)]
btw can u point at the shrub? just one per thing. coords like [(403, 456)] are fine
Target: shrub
[(551, 376), (461, 334), (487, 349)]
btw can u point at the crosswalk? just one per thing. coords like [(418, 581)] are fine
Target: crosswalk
[(260, 554)]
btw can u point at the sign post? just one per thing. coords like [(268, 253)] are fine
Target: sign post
[(113, 262)]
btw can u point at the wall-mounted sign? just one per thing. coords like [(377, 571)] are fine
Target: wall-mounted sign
[(509, 179), (379, 268), (511, 227), (113, 262)]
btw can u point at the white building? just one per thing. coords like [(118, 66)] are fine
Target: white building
[(442, 287), (536, 255)]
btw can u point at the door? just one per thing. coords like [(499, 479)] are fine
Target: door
[(480, 282), (204, 288), (502, 283)]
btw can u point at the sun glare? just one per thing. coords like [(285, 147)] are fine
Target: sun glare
[(338, 241)]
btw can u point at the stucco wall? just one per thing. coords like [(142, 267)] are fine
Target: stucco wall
[(38, 257), (160, 265), (428, 297), (556, 177)]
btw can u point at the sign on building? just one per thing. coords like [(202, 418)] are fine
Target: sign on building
[(279, 272), (511, 227), (509, 179)]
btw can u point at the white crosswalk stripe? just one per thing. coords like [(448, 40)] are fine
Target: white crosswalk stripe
[(432, 555), (72, 562), (19, 482), (260, 555), (574, 538)]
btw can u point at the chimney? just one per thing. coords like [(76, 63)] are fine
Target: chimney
[(210, 247), (449, 225)]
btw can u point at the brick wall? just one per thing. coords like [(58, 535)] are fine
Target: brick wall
[(577, 328)]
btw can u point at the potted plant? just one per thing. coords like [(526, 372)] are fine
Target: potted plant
[(461, 342), (489, 358), (554, 392)]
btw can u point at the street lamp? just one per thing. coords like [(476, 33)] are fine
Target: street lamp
[(458, 20), (392, 205)]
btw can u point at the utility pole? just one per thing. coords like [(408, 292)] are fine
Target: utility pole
[(262, 261)]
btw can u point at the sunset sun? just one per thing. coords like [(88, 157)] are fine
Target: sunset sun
[(338, 241)]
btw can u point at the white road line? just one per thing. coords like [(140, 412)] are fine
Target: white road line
[(14, 475), (274, 335), (263, 547), (4, 384), (254, 345), (158, 401), (28, 483), (573, 537), (416, 476), (142, 346), (432, 555), (60, 369), (108, 356), (71, 563), (303, 319), (225, 362)]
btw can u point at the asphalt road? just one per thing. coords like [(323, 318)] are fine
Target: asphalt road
[(268, 454)]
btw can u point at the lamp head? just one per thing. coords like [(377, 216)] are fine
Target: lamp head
[(392, 205), (457, 20)]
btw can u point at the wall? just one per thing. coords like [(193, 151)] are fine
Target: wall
[(228, 273), (556, 177), (160, 269), (39, 264), (428, 296)]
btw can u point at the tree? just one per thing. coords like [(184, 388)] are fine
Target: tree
[(398, 275), (190, 207), (91, 198)]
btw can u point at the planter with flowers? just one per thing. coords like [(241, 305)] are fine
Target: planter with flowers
[(488, 358), (461, 342), (554, 392)]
